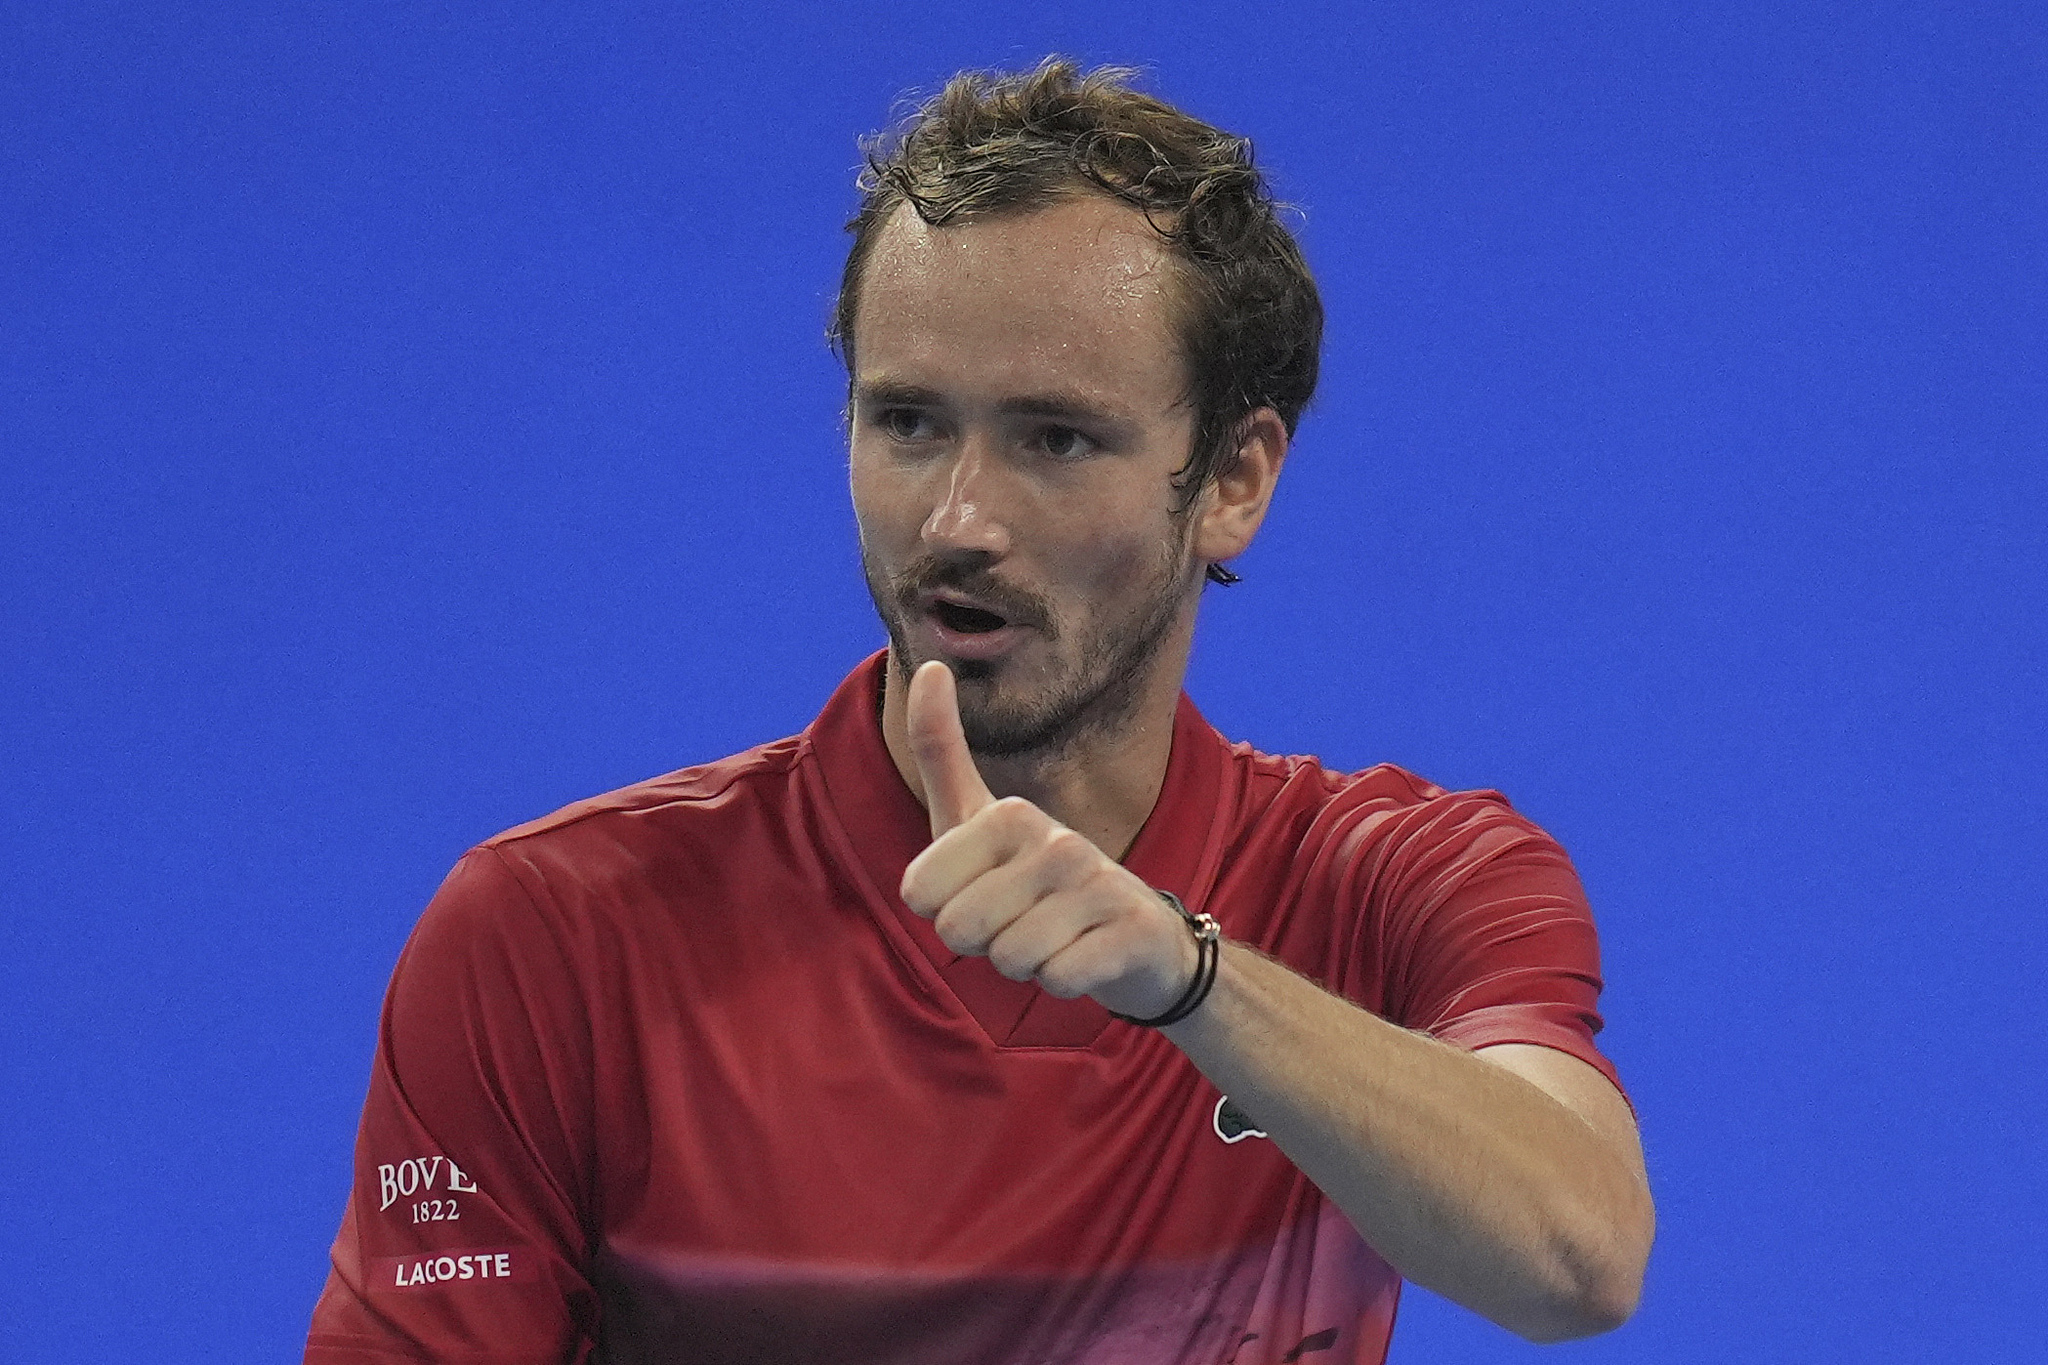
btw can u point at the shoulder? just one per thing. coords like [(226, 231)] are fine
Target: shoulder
[(1435, 908), (605, 859), (1381, 807), (679, 794), (1386, 850), (663, 815)]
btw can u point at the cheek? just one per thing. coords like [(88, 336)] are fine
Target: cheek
[(881, 505), (1113, 569), (860, 479)]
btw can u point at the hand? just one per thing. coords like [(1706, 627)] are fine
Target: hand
[(1005, 881)]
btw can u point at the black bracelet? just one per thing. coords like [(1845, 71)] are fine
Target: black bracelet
[(1208, 948)]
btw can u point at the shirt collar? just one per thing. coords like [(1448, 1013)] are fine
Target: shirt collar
[(884, 827), (1175, 850)]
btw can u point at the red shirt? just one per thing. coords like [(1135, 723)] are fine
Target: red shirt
[(673, 1075)]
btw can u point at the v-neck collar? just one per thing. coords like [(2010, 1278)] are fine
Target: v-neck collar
[(1176, 850)]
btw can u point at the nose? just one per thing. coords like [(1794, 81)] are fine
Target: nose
[(968, 517)]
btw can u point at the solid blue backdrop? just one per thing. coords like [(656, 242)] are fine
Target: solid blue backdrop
[(416, 417)]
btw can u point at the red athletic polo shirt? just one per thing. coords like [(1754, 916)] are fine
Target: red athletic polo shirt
[(674, 1076)]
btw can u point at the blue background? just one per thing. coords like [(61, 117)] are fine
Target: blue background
[(415, 417)]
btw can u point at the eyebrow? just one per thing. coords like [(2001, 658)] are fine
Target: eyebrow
[(1067, 406), (886, 393)]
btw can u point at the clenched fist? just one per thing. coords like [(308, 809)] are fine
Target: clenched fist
[(1005, 881)]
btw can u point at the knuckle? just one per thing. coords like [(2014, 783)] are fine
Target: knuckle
[(1013, 814), (1108, 896), (957, 932), (1063, 981), (1077, 975), (1069, 851), (1010, 962)]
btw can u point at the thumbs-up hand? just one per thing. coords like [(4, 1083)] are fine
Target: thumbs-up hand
[(953, 790), (1004, 880)]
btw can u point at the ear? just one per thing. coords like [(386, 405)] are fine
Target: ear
[(1234, 504)]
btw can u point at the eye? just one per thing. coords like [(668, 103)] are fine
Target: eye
[(1065, 443), (905, 424)]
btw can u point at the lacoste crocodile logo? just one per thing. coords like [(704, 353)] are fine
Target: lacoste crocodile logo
[(1233, 1124)]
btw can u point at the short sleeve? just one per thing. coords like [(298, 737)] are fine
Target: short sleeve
[(1486, 932), (465, 1234)]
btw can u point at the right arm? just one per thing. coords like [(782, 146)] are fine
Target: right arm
[(464, 1237)]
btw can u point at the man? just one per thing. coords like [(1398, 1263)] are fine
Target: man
[(1008, 1013)]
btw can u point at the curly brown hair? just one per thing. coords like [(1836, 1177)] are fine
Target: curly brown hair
[(1251, 322)]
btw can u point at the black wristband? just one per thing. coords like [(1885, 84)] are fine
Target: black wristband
[(1208, 948)]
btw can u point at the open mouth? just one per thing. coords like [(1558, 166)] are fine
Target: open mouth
[(966, 620)]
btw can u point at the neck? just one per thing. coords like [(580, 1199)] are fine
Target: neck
[(1103, 785)]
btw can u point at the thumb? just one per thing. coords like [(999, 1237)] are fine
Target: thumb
[(953, 789)]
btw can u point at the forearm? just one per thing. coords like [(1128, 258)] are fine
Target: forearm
[(1466, 1177)]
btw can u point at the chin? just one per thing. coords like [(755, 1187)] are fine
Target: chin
[(974, 670), (1050, 720)]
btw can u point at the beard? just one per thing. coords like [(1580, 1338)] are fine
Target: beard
[(1098, 691)]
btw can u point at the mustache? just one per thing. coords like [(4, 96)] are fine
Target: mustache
[(931, 575)]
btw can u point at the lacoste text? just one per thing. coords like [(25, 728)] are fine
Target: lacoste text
[(414, 1272)]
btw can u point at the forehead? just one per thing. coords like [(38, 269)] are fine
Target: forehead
[(1079, 295)]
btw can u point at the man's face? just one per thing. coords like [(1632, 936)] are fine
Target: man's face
[(1017, 421)]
